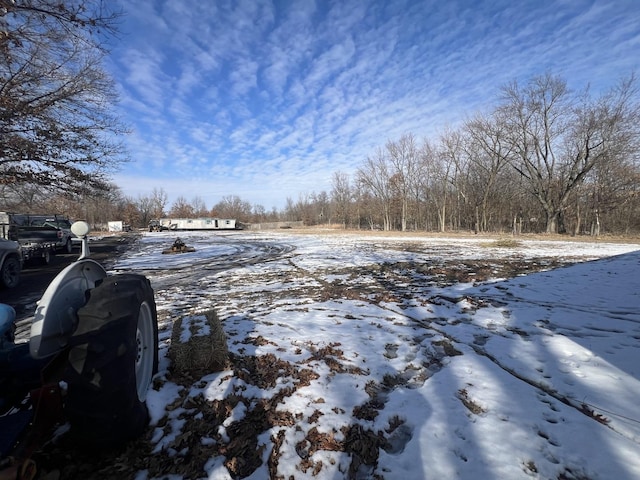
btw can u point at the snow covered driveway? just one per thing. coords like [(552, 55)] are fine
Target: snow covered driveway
[(398, 357)]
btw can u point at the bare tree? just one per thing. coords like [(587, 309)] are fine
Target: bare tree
[(443, 171), (232, 206), (144, 205), (199, 207), (290, 213), (558, 138), (609, 187), (181, 208), (341, 196), (56, 123), (323, 208), (258, 213), (361, 205), (404, 159), (130, 213), (423, 191), (374, 176), (305, 209), (489, 154), (159, 202), (99, 207), (25, 198)]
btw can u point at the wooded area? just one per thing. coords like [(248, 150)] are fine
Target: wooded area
[(546, 159)]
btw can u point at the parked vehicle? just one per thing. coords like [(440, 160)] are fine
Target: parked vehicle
[(90, 358), (10, 263), (59, 222), (38, 235), (156, 226), (36, 243)]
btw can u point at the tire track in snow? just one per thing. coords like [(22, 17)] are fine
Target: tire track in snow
[(191, 268), (582, 407)]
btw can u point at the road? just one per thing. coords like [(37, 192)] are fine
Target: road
[(35, 278)]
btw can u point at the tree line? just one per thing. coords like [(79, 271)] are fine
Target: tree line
[(98, 208), (544, 159)]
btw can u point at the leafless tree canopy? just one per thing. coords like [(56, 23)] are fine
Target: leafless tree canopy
[(56, 124), (558, 137), (546, 159)]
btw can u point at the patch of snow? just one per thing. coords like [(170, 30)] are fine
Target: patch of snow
[(535, 376)]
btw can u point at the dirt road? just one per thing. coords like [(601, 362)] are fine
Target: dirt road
[(35, 278)]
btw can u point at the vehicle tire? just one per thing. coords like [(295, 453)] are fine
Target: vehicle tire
[(45, 259), (112, 359), (10, 272)]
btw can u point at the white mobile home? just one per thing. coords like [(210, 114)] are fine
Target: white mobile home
[(195, 224)]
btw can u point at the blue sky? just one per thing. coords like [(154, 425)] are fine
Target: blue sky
[(267, 99)]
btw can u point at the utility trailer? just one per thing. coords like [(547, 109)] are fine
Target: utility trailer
[(36, 253), (118, 226)]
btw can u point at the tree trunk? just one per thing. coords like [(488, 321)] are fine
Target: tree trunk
[(595, 228), (404, 215), (443, 218), (552, 222), (476, 228)]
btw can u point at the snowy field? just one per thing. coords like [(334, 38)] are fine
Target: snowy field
[(398, 358)]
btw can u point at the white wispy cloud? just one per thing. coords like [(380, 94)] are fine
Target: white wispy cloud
[(278, 97)]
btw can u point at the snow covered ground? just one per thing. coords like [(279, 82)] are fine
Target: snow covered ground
[(394, 357)]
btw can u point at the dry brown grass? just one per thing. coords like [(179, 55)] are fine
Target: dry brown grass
[(503, 243), (202, 352), (497, 236)]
